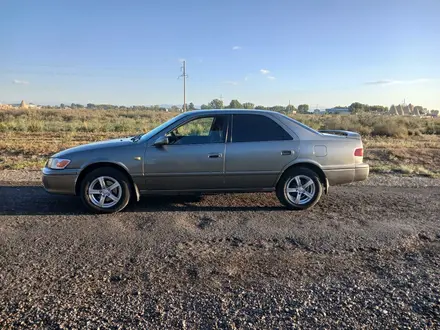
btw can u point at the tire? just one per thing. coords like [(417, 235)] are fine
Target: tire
[(309, 195), (113, 200)]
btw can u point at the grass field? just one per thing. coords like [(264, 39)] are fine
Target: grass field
[(28, 137)]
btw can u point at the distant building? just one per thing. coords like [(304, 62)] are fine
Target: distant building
[(406, 110), (33, 106), (393, 110), (23, 105), (416, 111), (318, 112), (338, 111)]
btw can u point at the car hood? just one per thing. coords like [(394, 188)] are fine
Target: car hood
[(95, 146)]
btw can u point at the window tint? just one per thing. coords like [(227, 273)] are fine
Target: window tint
[(197, 127), (252, 128), (199, 131)]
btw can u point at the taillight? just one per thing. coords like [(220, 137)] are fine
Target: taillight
[(359, 152)]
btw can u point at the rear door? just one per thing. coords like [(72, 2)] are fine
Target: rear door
[(258, 150)]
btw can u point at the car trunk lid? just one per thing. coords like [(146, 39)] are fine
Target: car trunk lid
[(356, 146)]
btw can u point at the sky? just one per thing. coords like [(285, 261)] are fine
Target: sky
[(320, 52)]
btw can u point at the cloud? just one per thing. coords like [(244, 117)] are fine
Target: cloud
[(20, 82), (386, 82), (236, 48), (378, 82), (246, 78), (271, 77), (264, 71), (230, 82)]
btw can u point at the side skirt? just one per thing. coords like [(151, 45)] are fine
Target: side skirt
[(204, 192)]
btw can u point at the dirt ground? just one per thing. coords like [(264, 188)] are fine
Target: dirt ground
[(367, 256)]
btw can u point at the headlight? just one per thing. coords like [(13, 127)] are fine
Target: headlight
[(57, 163)]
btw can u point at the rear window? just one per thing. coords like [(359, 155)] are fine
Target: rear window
[(257, 128), (301, 124)]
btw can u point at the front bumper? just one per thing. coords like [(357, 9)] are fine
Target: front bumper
[(361, 172), (60, 181)]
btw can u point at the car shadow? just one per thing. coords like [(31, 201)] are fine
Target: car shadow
[(34, 200)]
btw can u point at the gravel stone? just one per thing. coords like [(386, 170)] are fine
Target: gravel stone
[(367, 256)]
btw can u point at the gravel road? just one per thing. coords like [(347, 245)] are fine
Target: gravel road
[(367, 256)]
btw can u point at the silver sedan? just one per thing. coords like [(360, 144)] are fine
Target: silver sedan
[(210, 151)]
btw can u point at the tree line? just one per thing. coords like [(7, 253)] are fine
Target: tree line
[(357, 107), (235, 104), (354, 108), (91, 106), (214, 104)]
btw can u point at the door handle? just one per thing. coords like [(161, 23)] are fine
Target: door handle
[(215, 155), (286, 152)]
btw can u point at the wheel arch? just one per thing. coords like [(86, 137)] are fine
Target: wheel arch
[(311, 166), (93, 166)]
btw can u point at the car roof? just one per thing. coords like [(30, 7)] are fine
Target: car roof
[(232, 111)]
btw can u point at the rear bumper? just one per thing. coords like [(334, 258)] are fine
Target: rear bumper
[(361, 172), (337, 176), (60, 181)]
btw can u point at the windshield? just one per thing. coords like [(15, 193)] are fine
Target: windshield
[(156, 130)]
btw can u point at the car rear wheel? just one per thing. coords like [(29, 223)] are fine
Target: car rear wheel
[(299, 188), (105, 190)]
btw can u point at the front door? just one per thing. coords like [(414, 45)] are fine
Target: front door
[(192, 160)]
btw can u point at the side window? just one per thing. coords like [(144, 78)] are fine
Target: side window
[(199, 131), (253, 128)]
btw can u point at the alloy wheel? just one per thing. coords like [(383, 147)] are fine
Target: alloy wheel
[(300, 189), (105, 192)]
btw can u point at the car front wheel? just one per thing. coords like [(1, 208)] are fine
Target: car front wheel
[(299, 189), (105, 190)]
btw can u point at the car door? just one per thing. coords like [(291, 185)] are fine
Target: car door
[(193, 159), (258, 150)]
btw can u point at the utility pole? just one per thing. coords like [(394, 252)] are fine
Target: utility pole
[(184, 75)]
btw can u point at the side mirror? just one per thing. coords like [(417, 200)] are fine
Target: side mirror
[(161, 141)]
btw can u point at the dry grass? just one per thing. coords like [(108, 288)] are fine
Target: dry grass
[(94, 121), (374, 125), (31, 150), (132, 121), (413, 155), (28, 137)]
